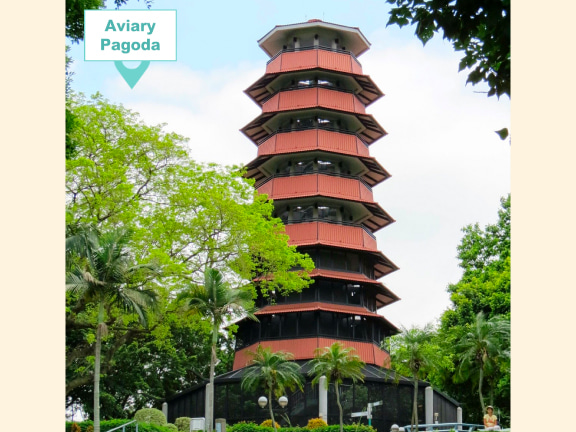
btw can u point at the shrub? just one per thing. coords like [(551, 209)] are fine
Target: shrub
[(347, 428), (150, 415), (268, 423), (171, 427), (83, 425), (316, 423), (183, 424), (244, 427), (106, 425)]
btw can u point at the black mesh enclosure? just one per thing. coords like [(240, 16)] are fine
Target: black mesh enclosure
[(234, 404)]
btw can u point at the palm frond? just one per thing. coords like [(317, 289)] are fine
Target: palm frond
[(272, 371)]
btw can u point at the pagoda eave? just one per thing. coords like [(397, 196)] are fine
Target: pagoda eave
[(371, 130), (259, 91)]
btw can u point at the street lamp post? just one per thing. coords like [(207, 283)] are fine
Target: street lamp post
[(282, 401), (262, 401)]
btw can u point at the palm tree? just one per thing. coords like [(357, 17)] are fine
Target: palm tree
[(415, 353), (217, 301), (479, 350), (274, 372), (103, 273), (336, 363)]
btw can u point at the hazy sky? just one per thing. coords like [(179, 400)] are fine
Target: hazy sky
[(448, 167)]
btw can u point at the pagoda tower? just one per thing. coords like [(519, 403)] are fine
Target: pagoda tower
[(313, 138)]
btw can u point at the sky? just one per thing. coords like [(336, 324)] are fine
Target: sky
[(449, 168)]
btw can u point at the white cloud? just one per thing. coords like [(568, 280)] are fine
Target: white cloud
[(449, 169), (208, 108)]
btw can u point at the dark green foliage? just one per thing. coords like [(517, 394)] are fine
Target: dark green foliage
[(479, 28), (71, 123), (252, 427), (75, 15), (483, 351), (484, 288), (484, 256), (106, 425), (502, 133), (148, 369)]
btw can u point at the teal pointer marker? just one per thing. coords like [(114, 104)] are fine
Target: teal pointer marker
[(132, 76)]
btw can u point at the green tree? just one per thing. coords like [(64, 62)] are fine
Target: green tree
[(187, 216), (107, 276), (486, 343), (274, 372), (484, 255), (479, 28), (336, 363), (218, 302), (150, 366), (413, 353)]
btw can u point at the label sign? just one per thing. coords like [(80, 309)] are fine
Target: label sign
[(124, 35)]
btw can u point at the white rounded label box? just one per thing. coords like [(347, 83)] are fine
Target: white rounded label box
[(129, 35)]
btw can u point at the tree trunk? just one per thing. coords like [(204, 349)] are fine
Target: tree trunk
[(271, 410), (339, 406), (414, 425), (210, 407), (97, 351), (480, 379)]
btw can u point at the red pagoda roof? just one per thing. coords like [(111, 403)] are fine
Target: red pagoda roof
[(303, 349)]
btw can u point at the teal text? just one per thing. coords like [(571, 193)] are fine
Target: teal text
[(125, 47)]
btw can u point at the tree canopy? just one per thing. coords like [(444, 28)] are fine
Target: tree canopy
[(186, 216), (481, 29), (483, 291), (481, 349), (484, 256)]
